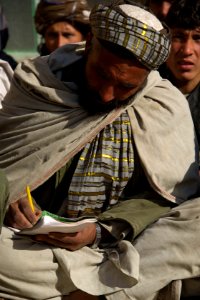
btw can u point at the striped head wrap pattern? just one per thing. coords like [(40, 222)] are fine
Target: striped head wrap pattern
[(133, 28)]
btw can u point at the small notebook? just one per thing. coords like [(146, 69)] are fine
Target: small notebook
[(49, 222)]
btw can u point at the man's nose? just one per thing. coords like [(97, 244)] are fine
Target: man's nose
[(61, 41), (106, 93), (187, 47)]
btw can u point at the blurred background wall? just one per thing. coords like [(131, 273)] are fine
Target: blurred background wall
[(23, 39)]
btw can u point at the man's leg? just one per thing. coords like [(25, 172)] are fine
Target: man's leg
[(29, 270), (169, 250)]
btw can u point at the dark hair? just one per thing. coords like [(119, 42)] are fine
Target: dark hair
[(4, 36), (184, 14)]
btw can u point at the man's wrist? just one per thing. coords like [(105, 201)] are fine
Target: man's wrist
[(98, 236)]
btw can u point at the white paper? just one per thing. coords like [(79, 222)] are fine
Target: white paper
[(48, 224)]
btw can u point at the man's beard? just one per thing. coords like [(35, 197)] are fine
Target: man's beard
[(92, 102)]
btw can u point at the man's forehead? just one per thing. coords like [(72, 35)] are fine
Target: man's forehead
[(123, 71), (105, 57)]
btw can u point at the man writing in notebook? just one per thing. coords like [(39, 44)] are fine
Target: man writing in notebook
[(95, 131)]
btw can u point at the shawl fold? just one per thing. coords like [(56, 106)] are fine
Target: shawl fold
[(42, 126), (6, 74)]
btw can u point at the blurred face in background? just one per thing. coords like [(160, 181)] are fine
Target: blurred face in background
[(61, 33), (184, 58), (160, 8)]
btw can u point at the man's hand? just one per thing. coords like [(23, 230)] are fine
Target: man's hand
[(70, 241), (20, 215)]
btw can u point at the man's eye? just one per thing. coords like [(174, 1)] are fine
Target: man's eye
[(177, 37), (125, 88), (67, 35), (196, 37)]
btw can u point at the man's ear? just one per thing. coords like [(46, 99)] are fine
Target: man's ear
[(88, 42)]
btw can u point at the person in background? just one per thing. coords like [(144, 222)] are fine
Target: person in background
[(110, 139), (160, 7), (61, 22), (182, 67), (4, 36)]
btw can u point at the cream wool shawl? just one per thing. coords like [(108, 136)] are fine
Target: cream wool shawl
[(6, 74), (42, 126)]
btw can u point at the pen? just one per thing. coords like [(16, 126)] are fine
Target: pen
[(30, 200)]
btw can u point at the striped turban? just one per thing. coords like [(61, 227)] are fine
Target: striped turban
[(49, 12), (133, 28)]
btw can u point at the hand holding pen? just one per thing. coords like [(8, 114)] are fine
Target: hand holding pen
[(22, 213)]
